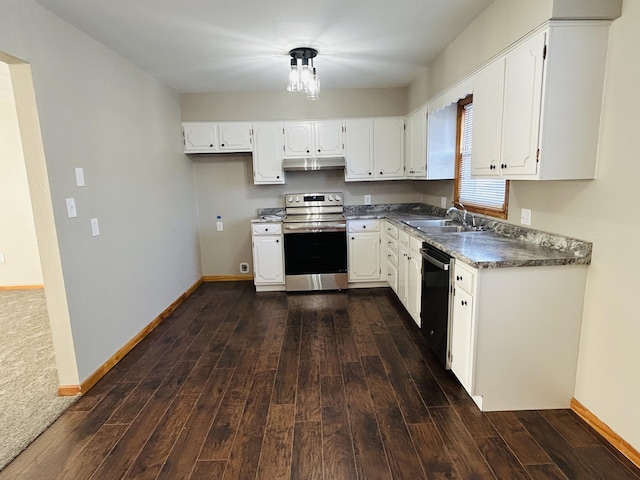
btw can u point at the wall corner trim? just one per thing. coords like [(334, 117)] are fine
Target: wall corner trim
[(603, 429), (67, 390)]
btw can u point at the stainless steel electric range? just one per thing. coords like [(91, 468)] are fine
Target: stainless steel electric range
[(315, 242)]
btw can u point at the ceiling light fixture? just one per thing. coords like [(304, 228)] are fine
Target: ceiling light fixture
[(302, 75)]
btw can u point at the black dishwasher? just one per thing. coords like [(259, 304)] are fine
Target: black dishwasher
[(434, 314)]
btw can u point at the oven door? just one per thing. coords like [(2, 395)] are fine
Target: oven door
[(315, 258)]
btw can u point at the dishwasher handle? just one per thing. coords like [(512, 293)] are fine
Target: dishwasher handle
[(434, 261)]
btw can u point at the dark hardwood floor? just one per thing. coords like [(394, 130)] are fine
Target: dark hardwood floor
[(331, 386)]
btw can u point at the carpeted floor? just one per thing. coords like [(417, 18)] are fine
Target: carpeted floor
[(28, 377)]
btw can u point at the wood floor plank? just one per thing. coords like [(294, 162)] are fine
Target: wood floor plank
[(287, 376), (500, 459), (186, 448), (330, 358), (409, 399), (245, 453), (576, 433), (401, 454), (519, 440), (345, 341), (464, 452), (555, 445), (208, 470), (606, 464), (121, 457), (306, 459), (433, 454), (157, 448), (371, 459), (277, 445), (308, 401), (545, 472), (337, 450), (217, 445), (91, 456)]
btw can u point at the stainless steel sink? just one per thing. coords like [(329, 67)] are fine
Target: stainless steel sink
[(430, 223), (442, 228)]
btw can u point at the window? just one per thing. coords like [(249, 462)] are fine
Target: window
[(487, 196)]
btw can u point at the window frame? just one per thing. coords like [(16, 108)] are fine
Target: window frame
[(471, 207)]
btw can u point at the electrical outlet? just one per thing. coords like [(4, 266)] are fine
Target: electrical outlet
[(443, 202), (367, 199), (95, 227), (244, 267), (525, 216), (71, 208)]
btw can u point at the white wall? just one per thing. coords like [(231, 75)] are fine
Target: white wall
[(17, 230), (101, 113), (601, 210)]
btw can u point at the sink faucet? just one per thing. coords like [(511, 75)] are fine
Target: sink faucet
[(462, 211)]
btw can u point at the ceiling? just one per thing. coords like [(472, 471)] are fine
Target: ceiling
[(243, 45)]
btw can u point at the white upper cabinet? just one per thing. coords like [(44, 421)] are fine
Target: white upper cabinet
[(374, 149), (416, 144), (235, 137), (200, 137), (441, 142), (317, 139), (359, 149), (488, 93), (216, 137), (537, 108), (388, 148), (267, 153)]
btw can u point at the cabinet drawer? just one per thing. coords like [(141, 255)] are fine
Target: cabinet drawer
[(415, 244), (392, 230), (266, 228), (392, 245), (403, 237), (364, 226), (392, 258), (464, 276)]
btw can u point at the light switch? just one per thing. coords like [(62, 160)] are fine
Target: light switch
[(219, 226), (80, 177), (71, 208), (95, 227), (367, 199)]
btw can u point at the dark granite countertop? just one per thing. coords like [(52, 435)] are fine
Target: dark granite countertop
[(500, 245)]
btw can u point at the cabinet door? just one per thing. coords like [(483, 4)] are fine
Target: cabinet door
[(522, 103), (329, 138), (199, 137), (442, 143), (414, 285), (364, 257), (403, 275), (267, 153), (388, 148), (268, 257), (234, 137), (416, 145), (488, 92), (359, 149), (462, 337), (392, 276), (298, 139)]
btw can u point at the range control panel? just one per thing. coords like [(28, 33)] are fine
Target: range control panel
[(313, 199)]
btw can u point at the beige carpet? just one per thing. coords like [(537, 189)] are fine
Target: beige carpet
[(28, 377)]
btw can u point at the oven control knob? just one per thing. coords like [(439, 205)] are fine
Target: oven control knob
[(337, 197), (297, 199), (331, 198), (290, 199)]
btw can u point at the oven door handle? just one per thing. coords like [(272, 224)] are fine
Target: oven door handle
[(329, 227), (434, 261)]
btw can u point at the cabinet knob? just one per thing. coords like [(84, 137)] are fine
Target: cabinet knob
[(463, 302), (211, 145), (431, 332), (369, 173), (503, 165), (307, 151), (222, 144), (364, 226), (277, 241), (353, 238), (381, 173), (277, 176), (319, 150)]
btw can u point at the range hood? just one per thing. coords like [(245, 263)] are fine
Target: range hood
[(316, 163)]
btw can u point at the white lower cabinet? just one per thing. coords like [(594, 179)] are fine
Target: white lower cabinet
[(390, 255), (268, 256), (410, 274), (515, 334), (363, 251)]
